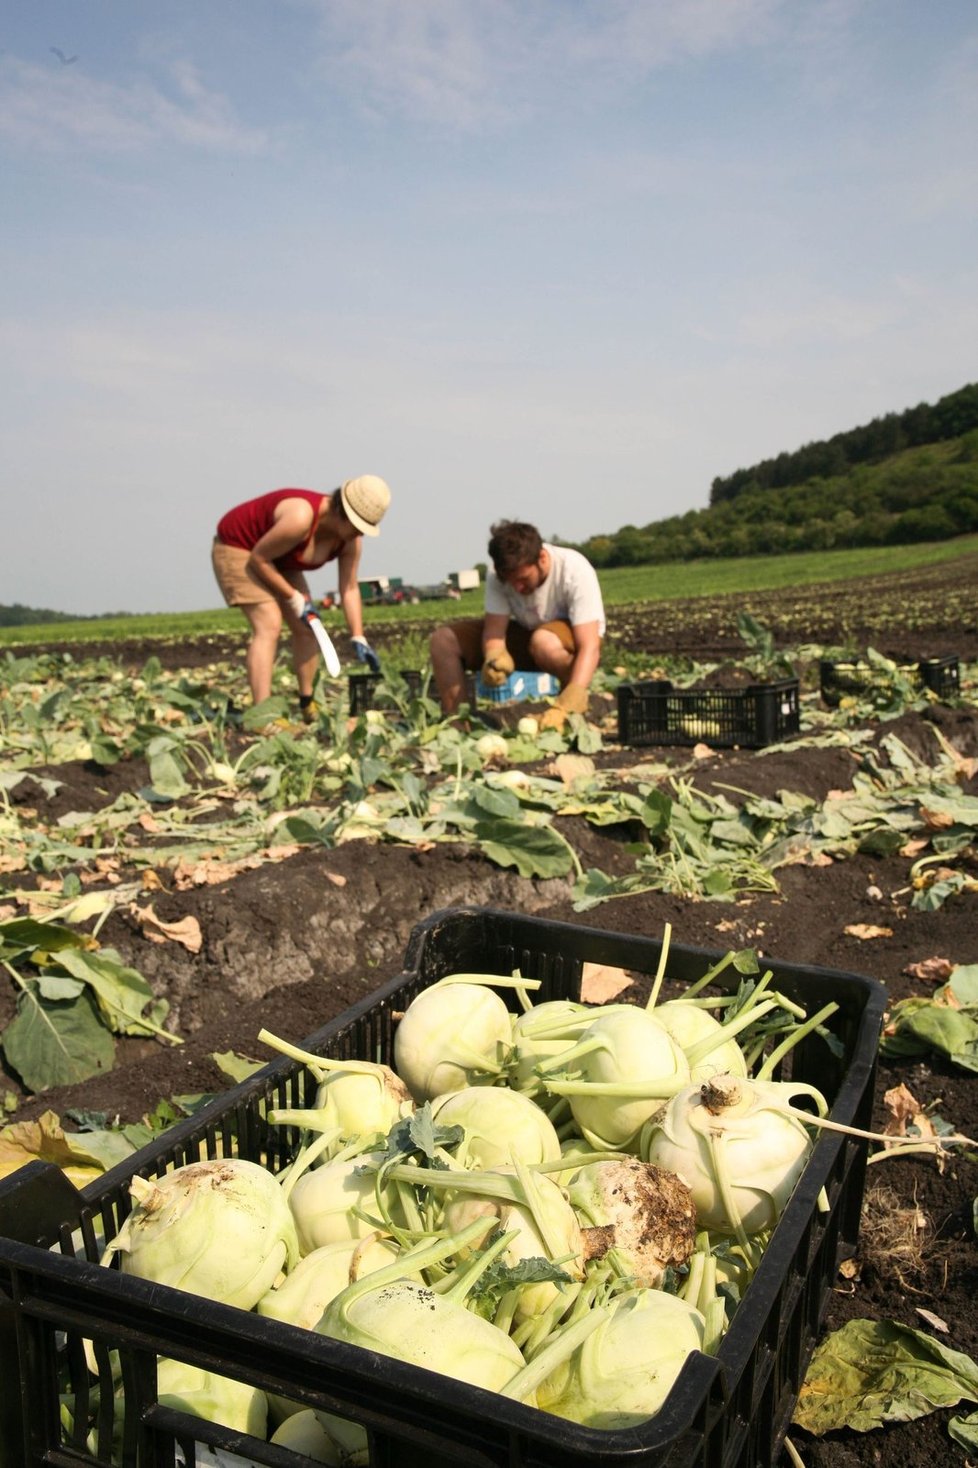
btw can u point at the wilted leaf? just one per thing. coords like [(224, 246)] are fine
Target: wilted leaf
[(237, 1067), (930, 970), (864, 931), (876, 1371), (44, 1140), (903, 1109), (600, 982), (185, 931)]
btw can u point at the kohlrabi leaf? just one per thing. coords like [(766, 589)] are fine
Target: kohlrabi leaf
[(535, 851), (876, 1371), (56, 1043)]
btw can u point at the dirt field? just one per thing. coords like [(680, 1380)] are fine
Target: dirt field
[(286, 946)]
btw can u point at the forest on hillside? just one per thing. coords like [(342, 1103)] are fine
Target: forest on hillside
[(902, 479)]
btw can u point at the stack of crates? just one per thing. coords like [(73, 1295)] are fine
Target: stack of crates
[(59, 1308)]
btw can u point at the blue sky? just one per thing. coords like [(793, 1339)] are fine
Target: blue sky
[(561, 260)]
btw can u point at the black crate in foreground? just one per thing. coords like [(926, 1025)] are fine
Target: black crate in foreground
[(379, 690), (838, 680), (730, 1411), (655, 712)]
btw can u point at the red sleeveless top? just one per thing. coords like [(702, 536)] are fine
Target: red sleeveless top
[(245, 525)]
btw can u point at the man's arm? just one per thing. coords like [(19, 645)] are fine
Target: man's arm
[(494, 634), (587, 654)]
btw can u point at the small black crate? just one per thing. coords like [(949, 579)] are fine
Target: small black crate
[(378, 690), (654, 712), (727, 1411), (860, 678)]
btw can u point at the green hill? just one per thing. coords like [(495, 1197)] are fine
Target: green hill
[(926, 492)]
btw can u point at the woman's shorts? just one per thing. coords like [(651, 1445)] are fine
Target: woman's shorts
[(240, 587), (468, 631)]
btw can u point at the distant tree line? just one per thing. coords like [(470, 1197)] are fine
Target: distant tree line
[(20, 616), (920, 494), (950, 417)]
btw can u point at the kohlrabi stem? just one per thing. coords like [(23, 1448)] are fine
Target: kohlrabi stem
[(660, 972), (306, 1156), (489, 981), (413, 1261), (727, 1031), (660, 1089), (564, 1344), (778, 1054)]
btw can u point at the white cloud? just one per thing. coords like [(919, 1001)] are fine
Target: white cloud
[(60, 109), (485, 67)]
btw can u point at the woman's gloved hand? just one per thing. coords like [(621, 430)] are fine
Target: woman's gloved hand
[(300, 605), (366, 654)]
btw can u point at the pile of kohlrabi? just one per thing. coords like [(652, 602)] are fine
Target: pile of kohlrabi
[(558, 1205)]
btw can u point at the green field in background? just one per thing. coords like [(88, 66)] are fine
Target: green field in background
[(620, 586)]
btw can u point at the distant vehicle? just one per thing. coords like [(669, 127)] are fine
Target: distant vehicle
[(464, 580)]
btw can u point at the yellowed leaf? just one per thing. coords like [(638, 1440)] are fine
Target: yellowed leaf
[(186, 931), (29, 1141), (936, 820), (149, 822), (702, 751), (337, 879), (915, 846), (601, 983), (865, 931), (930, 970)]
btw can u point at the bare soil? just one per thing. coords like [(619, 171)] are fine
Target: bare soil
[(287, 946)]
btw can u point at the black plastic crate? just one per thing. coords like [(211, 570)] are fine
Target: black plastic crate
[(728, 1411), (654, 712), (838, 680), (374, 690)]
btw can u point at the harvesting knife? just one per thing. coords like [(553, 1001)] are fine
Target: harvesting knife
[(325, 644)]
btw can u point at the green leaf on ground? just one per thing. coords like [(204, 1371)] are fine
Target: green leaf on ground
[(876, 1371), (56, 1044)]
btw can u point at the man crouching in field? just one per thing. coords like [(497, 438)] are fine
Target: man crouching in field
[(543, 612)]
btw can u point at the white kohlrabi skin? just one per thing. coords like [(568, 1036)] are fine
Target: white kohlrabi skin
[(630, 1049), (410, 1322), (304, 1293), (622, 1373), (362, 1101), (644, 1213), (324, 1439), (215, 1398), (497, 1122), (221, 1229), (737, 1147), (553, 1234), (690, 1025), (323, 1199), (452, 1035)]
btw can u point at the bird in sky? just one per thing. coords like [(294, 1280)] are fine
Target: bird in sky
[(65, 60)]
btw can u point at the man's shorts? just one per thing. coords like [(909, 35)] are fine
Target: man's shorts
[(468, 631), (240, 587)]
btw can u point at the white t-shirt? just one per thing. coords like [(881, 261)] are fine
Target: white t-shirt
[(570, 593)]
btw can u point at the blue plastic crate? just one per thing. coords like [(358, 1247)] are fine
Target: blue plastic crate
[(519, 686)]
